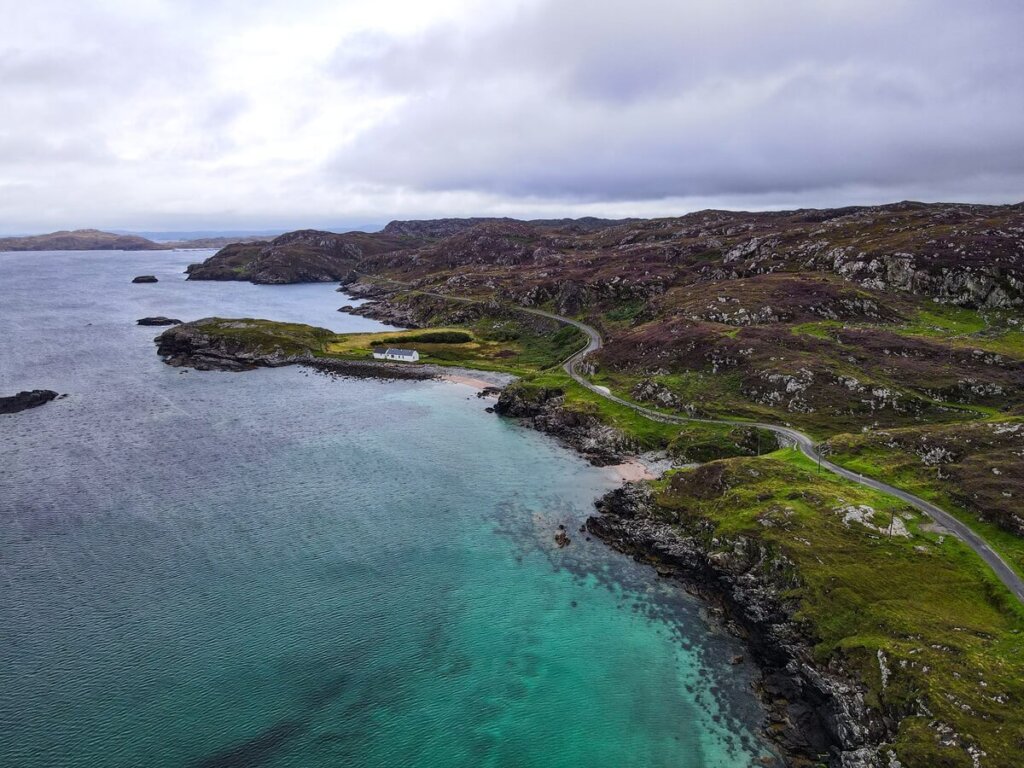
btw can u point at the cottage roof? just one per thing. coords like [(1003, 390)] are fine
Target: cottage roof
[(401, 352)]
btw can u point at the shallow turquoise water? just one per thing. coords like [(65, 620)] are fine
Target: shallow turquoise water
[(280, 569)]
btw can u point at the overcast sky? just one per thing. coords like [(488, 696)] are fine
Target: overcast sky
[(237, 114)]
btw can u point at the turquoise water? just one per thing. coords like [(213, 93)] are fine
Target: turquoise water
[(276, 568)]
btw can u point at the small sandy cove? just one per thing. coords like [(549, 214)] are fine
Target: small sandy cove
[(630, 471), (469, 381)]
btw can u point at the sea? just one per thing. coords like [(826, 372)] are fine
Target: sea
[(279, 568)]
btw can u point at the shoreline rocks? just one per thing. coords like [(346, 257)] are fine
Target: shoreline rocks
[(26, 399), (817, 712), (544, 409)]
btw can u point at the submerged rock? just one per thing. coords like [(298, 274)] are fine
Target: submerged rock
[(25, 400)]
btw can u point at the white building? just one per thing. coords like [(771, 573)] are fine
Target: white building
[(399, 355)]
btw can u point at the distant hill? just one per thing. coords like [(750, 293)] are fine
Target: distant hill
[(179, 235), (313, 256), (97, 240), (79, 240)]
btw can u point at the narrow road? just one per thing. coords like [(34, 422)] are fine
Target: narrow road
[(807, 446), (1000, 567)]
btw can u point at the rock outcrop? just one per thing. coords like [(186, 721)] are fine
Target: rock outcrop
[(80, 240), (145, 279), (544, 409), (158, 320), (817, 711), (25, 400), (305, 256)]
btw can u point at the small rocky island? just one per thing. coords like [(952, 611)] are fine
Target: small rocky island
[(26, 399), (158, 320)]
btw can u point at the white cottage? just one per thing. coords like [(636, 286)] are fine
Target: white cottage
[(399, 355)]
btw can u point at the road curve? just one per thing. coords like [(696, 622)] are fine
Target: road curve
[(999, 566), (1003, 571)]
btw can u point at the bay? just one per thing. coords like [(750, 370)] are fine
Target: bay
[(276, 568)]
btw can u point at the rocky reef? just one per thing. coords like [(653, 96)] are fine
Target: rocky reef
[(27, 399)]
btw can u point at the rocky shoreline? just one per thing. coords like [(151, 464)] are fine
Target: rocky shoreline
[(817, 713), (544, 411)]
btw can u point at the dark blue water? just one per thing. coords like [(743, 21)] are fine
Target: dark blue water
[(276, 568)]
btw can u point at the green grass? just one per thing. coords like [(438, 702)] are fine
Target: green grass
[(936, 612), (626, 312), (905, 470), (958, 327), (490, 344), (267, 336), (691, 442), (990, 331)]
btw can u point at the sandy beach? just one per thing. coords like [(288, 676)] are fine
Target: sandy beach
[(631, 471), (469, 381)]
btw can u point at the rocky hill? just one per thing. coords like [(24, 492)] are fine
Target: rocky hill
[(305, 256), (969, 255), (316, 256), (97, 240), (834, 319), (79, 240)]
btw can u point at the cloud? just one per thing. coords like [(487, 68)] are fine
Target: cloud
[(153, 113), (584, 101)]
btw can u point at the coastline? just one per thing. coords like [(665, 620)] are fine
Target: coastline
[(596, 443)]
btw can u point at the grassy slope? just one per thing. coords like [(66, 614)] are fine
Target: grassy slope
[(919, 351), (965, 485), (949, 634), (691, 443)]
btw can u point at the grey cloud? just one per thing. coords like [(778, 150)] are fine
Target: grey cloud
[(586, 101)]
